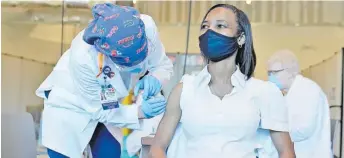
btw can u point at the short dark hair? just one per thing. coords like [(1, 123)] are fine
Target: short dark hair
[(246, 57)]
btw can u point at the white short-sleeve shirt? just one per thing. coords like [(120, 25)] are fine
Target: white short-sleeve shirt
[(211, 127)]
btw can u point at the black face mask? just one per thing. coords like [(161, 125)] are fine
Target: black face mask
[(217, 47)]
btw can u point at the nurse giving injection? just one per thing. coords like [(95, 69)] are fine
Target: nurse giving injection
[(220, 109), (82, 96)]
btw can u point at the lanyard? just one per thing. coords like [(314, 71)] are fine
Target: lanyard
[(100, 67), (100, 63)]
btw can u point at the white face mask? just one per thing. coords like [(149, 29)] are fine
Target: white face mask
[(274, 79), (282, 78)]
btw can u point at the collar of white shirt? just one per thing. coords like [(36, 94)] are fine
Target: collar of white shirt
[(238, 78)]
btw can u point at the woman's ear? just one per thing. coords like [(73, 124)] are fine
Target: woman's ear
[(241, 39)]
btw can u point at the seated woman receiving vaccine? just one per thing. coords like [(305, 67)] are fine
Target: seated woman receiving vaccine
[(217, 112)]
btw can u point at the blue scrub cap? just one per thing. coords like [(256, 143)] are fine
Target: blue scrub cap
[(118, 32)]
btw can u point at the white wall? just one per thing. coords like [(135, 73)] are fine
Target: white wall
[(20, 79)]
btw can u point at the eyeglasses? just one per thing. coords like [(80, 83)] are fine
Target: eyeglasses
[(274, 72)]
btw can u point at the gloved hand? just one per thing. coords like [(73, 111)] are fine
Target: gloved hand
[(153, 106), (150, 86)]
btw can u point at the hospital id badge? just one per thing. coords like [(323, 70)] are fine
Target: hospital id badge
[(109, 99)]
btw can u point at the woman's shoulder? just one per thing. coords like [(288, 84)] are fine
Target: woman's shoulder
[(254, 83), (261, 87), (187, 78), (197, 77)]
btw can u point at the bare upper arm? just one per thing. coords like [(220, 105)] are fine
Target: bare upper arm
[(170, 120), (283, 144)]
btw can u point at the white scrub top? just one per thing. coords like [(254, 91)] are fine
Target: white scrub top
[(309, 122), (210, 127), (73, 109)]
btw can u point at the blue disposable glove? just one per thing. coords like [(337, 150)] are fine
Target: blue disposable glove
[(150, 85), (153, 106)]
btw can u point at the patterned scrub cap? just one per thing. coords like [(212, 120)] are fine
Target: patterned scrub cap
[(118, 32)]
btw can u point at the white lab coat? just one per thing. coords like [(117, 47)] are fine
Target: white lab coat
[(309, 122), (73, 109)]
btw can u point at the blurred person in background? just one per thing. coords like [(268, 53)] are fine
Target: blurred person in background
[(220, 109), (308, 109), (82, 96)]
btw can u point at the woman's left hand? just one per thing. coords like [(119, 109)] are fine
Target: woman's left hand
[(150, 86)]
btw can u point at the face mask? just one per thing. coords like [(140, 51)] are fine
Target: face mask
[(217, 47), (134, 69), (273, 79)]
